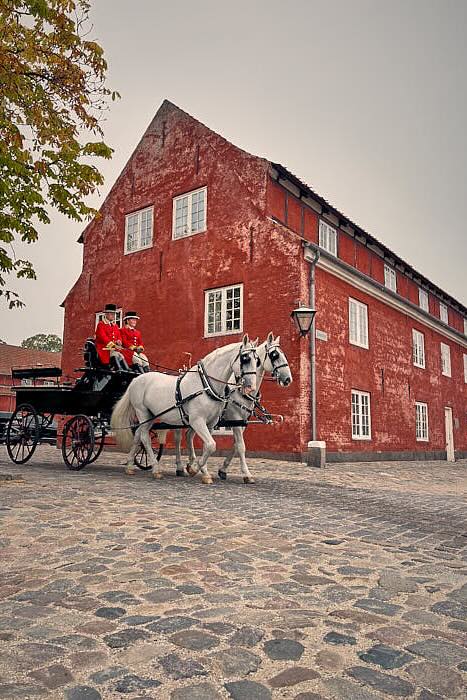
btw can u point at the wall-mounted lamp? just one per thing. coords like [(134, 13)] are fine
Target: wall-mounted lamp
[(303, 318)]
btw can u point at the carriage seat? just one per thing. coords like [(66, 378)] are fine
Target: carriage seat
[(92, 360)]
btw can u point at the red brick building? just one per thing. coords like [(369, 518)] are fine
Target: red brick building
[(17, 357), (207, 241)]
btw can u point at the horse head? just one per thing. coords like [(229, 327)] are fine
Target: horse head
[(275, 361), (245, 364)]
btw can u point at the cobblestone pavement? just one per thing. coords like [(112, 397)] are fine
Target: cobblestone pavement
[(344, 583)]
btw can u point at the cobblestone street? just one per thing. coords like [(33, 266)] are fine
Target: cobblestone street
[(347, 583)]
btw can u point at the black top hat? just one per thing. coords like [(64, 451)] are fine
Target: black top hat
[(130, 314), (111, 307)]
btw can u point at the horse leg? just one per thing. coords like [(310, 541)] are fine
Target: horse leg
[(201, 429), (178, 453), (190, 437), (222, 473), (142, 435), (130, 460), (240, 445)]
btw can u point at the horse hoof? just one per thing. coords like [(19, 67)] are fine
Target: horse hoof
[(157, 475), (206, 479), (222, 475), (130, 471), (180, 472), (248, 480), (191, 471)]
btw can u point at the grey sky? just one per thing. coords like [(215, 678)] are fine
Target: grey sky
[(365, 100)]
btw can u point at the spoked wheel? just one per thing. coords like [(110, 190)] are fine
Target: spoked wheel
[(141, 458), (99, 440), (22, 434), (78, 442)]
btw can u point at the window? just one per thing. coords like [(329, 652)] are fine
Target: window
[(118, 317), (358, 323), (328, 237), (445, 360), (465, 369), (361, 420), (421, 421), (465, 326), (223, 310), (26, 382), (418, 348), (189, 213), (443, 312), (138, 230), (390, 278), (423, 299), (47, 382)]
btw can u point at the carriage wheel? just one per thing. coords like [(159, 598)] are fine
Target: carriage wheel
[(22, 434), (141, 458), (99, 441), (78, 442)]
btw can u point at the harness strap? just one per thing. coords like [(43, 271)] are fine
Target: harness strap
[(208, 386)]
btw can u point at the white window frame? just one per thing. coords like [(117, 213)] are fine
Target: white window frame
[(465, 368), (465, 326), (421, 421), (188, 230), (390, 278), (223, 330), (139, 215), (118, 317), (328, 237), (443, 312), (423, 301), (445, 360), (357, 425), (418, 348), (358, 323)]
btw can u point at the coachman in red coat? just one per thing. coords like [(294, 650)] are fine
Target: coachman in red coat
[(108, 338), (132, 341)]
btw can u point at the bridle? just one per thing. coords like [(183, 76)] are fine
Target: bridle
[(273, 354), (244, 356)]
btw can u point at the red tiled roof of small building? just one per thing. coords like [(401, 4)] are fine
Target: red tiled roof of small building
[(15, 356)]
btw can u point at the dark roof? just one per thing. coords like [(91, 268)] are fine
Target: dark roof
[(344, 220), (15, 356)]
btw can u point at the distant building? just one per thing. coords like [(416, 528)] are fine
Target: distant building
[(206, 242), (12, 356)]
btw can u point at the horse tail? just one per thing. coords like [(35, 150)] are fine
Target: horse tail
[(123, 416)]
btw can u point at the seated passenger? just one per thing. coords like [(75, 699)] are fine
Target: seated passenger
[(109, 339), (133, 349)]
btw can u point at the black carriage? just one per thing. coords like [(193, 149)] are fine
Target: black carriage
[(88, 401)]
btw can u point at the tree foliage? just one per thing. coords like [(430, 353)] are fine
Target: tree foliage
[(52, 101), (41, 341)]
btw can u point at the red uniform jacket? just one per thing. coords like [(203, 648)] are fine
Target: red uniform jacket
[(107, 335), (131, 339)]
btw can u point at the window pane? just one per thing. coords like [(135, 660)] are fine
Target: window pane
[(181, 217)]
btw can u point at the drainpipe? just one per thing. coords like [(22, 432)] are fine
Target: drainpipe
[(313, 262)]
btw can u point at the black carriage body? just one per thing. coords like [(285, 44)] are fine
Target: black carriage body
[(89, 401), (69, 401)]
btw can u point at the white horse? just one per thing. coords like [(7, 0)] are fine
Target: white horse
[(239, 407), (195, 398)]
